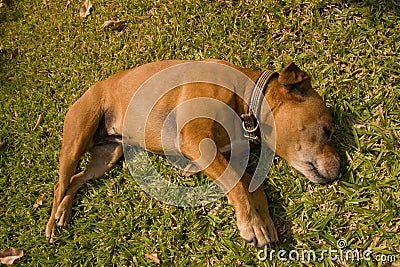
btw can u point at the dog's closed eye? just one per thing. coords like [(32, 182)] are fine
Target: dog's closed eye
[(328, 131)]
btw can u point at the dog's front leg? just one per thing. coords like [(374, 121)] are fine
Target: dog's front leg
[(252, 214), (251, 208)]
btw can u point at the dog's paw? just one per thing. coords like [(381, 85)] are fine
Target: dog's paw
[(189, 170), (64, 212), (50, 229), (257, 229)]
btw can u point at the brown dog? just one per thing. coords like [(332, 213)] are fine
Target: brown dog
[(95, 124)]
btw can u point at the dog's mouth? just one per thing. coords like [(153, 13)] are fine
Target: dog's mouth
[(321, 172), (316, 176)]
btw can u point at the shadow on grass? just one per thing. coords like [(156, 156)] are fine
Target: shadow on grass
[(385, 6), (343, 140)]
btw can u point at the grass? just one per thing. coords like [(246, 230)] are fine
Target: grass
[(49, 56)]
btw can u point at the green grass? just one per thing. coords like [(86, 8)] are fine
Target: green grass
[(49, 56)]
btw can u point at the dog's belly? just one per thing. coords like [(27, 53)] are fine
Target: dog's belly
[(165, 142)]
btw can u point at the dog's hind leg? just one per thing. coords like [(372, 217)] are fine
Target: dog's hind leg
[(80, 126), (103, 158), (75, 144)]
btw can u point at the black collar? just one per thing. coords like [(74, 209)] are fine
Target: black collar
[(250, 120)]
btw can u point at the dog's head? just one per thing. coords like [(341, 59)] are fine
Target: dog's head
[(304, 126)]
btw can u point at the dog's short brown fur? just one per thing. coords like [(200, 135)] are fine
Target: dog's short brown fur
[(303, 124)]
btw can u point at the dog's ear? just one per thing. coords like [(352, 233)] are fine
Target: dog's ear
[(295, 80)]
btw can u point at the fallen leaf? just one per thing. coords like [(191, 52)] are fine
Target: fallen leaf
[(39, 201), (67, 4), (14, 53), (2, 144), (85, 9), (9, 255), (107, 23), (5, 3), (153, 257), (118, 25)]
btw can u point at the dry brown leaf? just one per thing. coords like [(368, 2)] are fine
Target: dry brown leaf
[(39, 201), (14, 53), (4, 3), (46, 3), (2, 144), (118, 25), (85, 9), (153, 257), (107, 23), (9, 255)]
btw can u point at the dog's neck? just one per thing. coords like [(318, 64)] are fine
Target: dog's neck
[(255, 110), (268, 91)]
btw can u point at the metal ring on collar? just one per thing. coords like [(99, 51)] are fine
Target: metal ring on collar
[(251, 130)]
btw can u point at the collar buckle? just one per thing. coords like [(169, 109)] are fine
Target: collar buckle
[(250, 123), (250, 126)]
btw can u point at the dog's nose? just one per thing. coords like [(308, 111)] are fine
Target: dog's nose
[(329, 166), (331, 162)]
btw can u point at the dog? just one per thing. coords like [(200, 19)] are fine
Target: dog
[(94, 123)]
